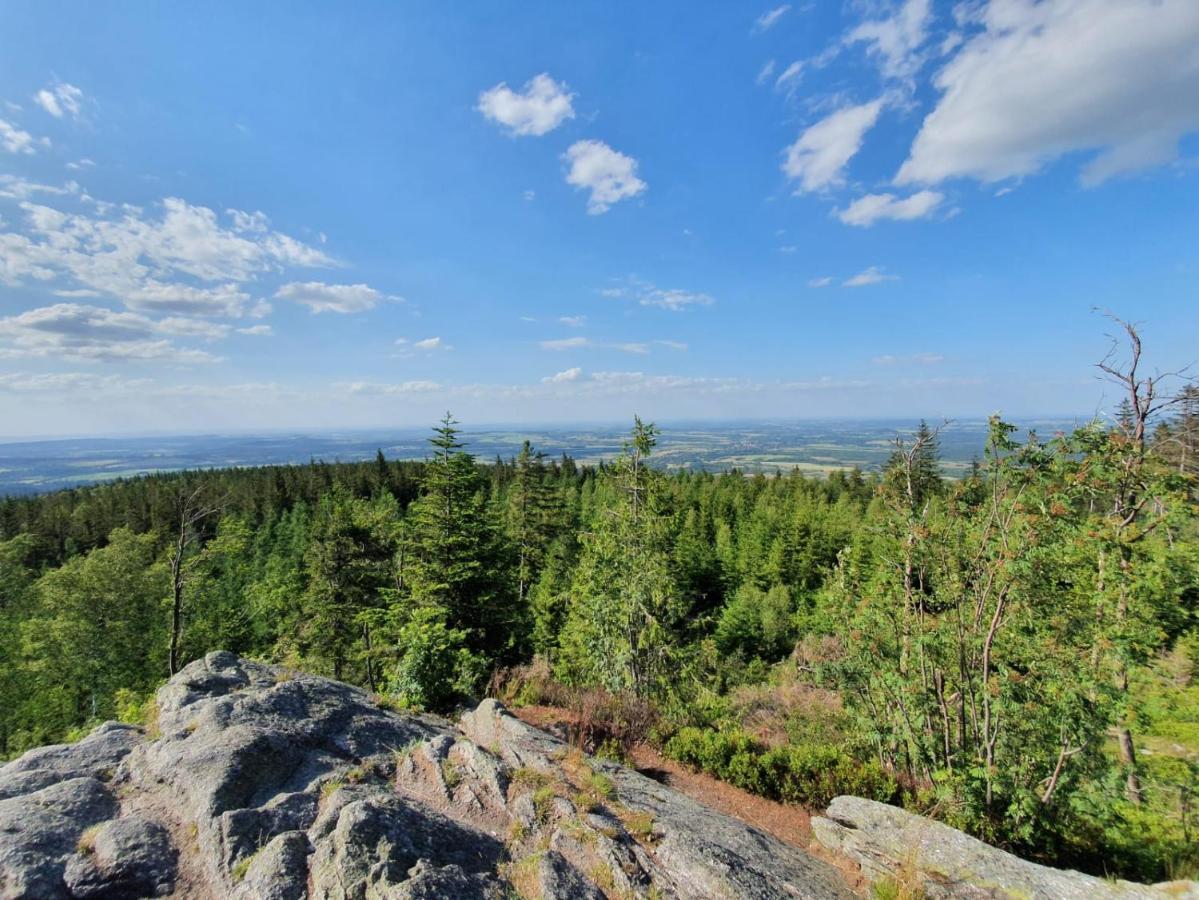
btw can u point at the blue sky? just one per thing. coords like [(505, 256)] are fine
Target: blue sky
[(240, 216)]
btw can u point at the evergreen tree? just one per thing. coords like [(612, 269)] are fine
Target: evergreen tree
[(622, 625), (454, 559)]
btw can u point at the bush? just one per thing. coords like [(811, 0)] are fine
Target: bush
[(806, 774), (436, 667)]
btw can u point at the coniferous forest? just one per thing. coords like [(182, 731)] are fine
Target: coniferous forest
[(1014, 652)]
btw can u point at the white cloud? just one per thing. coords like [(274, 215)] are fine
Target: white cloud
[(70, 382), (573, 321), (78, 332), (566, 375), (765, 73), (768, 20), (648, 294), (922, 359), (539, 109), (608, 174), (823, 281), (867, 210), (565, 343), (198, 328), (405, 387), (896, 39), (789, 77), (149, 263), (14, 139), (871, 275), (432, 343), (81, 164), (1042, 80), (579, 343), (257, 331), (14, 187), (817, 159), (60, 99), (339, 298)]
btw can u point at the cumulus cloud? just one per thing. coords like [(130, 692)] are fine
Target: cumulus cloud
[(867, 210), (768, 20), (432, 343), (566, 375), (16, 140), (868, 276), (818, 157), (60, 100), (1027, 89), (896, 40), (609, 175), (542, 106), (93, 333), (573, 321), (339, 298), (183, 260), (823, 281), (257, 331)]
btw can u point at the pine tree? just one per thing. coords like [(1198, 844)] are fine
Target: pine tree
[(622, 625), (454, 559), (532, 517)]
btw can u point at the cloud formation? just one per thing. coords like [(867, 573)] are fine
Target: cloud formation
[(867, 277), (1029, 88), (339, 298), (768, 20), (60, 100), (92, 333), (16, 140), (609, 175), (896, 40), (867, 210), (183, 260), (818, 157), (542, 106)]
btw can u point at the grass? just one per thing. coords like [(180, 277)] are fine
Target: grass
[(241, 867), (87, 841), (331, 787), (523, 876), (450, 773)]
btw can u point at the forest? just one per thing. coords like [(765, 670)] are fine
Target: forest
[(1014, 652)]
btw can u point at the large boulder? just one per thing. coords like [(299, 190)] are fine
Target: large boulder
[(891, 843), (257, 782)]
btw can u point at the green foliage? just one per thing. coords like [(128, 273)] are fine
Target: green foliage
[(807, 774), (436, 667), (997, 644)]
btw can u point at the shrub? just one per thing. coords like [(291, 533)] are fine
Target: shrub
[(808, 774), (436, 667)]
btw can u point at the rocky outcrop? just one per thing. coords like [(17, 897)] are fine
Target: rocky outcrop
[(256, 782), (260, 783), (892, 844)]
